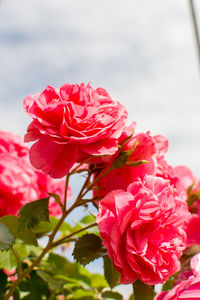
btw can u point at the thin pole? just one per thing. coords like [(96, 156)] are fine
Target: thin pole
[(195, 27)]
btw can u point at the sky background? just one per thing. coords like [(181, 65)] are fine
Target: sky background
[(141, 52)]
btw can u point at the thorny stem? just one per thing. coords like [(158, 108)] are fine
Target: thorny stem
[(66, 239), (96, 180), (16, 255), (82, 163)]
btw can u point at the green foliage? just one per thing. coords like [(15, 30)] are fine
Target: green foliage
[(33, 213), (112, 295), (3, 283), (56, 198), (11, 222), (72, 280), (27, 236), (169, 284), (55, 275), (6, 237), (98, 281), (111, 275), (45, 227), (8, 260), (193, 197), (35, 286), (83, 294), (54, 284), (87, 219), (16, 295), (143, 291), (87, 248)]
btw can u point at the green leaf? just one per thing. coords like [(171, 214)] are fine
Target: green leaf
[(83, 295), (193, 198), (6, 237), (28, 237), (33, 213), (132, 297), (98, 281), (137, 163), (88, 219), (121, 160), (112, 295), (87, 248), (43, 228), (8, 260), (59, 265), (11, 222), (56, 198), (111, 275), (54, 284)]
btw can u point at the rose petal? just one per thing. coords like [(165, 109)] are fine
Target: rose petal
[(105, 147), (52, 158)]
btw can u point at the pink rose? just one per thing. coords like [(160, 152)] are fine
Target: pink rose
[(122, 177), (142, 229), (162, 145), (192, 230), (71, 124), (188, 289), (19, 181), (180, 176)]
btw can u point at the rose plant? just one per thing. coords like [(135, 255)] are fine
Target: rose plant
[(141, 215)]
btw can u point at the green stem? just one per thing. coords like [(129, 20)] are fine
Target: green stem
[(96, 180), (79, 165), (80, 195), (143, 291), (16, 255), (66, 238)]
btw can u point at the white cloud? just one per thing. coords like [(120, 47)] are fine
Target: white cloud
[(142, 52)]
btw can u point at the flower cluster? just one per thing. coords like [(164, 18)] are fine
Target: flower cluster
[(142, 201), (143, 211), (188, 285), (20, 182)]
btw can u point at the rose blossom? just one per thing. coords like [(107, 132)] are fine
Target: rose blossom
[(142, 229), (188, 289), (180, 177), (71, 124), (19, 181)]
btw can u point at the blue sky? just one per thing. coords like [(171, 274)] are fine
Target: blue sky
[(142, 52)]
